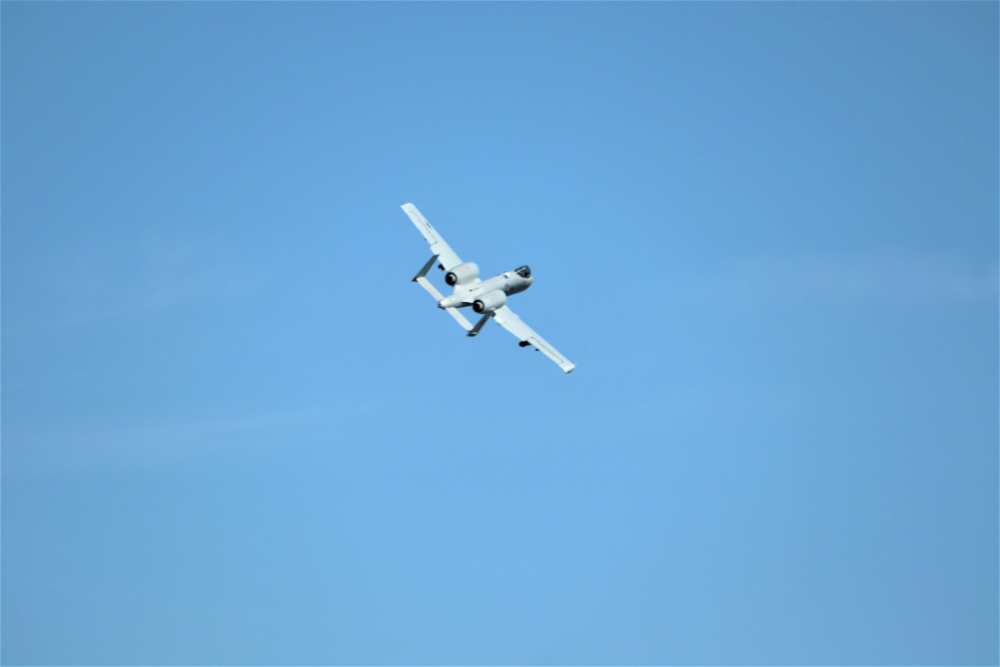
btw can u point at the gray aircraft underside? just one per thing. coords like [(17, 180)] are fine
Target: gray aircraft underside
[(487, 297)]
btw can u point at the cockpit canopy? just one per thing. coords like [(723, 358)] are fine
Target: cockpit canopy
[(524, 272)]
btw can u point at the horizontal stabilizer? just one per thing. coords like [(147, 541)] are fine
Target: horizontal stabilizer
[(429, 286)]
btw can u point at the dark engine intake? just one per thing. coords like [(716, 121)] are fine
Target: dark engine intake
[(461, 274), (489, 301)]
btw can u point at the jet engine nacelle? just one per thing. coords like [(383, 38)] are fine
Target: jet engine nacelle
[(461, 274), (489, 302)]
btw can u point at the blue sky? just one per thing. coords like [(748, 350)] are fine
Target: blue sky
[(233, 431)]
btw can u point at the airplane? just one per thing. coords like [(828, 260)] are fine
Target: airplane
[(487, 297)]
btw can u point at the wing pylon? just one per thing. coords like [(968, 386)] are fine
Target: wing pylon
[(509, 320)]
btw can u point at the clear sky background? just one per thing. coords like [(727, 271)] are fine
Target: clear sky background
[(233, 431)]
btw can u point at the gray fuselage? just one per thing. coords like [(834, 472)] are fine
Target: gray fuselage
[(510, 282)]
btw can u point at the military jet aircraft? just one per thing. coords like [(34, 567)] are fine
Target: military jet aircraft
[(487, 297)]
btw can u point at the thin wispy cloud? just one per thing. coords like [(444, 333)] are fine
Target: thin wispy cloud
[(149, 273), (864, 276), (152, 444)]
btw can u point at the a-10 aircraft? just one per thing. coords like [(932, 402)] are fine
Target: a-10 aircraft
[(487, 297)]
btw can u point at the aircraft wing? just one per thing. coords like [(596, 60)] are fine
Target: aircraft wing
[(506, 318), (446, 256)]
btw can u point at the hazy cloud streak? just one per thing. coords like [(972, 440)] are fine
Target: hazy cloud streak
[(889, 276)]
